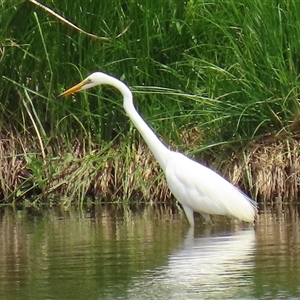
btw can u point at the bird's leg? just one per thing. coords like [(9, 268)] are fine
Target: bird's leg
[(189, 214), (207, 218)]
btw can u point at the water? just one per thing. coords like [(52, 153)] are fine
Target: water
[(147, 253)]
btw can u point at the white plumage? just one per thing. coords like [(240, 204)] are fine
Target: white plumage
[(195, 186), (202, 190)]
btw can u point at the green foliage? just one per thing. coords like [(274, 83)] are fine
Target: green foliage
[(227, 68), (245, 54), (238, 59)]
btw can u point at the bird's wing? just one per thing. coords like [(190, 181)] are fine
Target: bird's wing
[(205, 191)]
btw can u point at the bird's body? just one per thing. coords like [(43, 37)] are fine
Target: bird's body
[(195, 186), (202, 190)]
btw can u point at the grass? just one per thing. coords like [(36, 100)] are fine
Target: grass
[(209, 77)]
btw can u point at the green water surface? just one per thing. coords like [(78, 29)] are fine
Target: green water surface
[(147, 253)]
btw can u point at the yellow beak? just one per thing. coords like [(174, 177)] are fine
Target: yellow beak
[(73, 89)]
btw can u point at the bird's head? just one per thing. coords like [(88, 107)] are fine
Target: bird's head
[(92, 80)]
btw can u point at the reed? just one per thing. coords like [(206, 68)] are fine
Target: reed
[(211, 78)]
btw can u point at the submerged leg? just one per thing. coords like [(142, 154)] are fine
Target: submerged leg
[(189, 214), (207, 218)]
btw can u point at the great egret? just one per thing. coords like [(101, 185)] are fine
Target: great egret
[(195, 186)]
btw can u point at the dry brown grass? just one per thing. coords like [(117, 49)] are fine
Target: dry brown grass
[(13, 171), (66, 175), (269, 170)]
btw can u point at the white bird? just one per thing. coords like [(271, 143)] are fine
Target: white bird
[(196, 187)]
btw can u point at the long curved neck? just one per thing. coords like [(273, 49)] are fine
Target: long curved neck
[(159, 150)]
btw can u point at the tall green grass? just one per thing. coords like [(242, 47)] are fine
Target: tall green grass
[(228, 69), (237, 58)]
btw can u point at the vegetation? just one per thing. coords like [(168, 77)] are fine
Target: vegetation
[(217, 80)]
